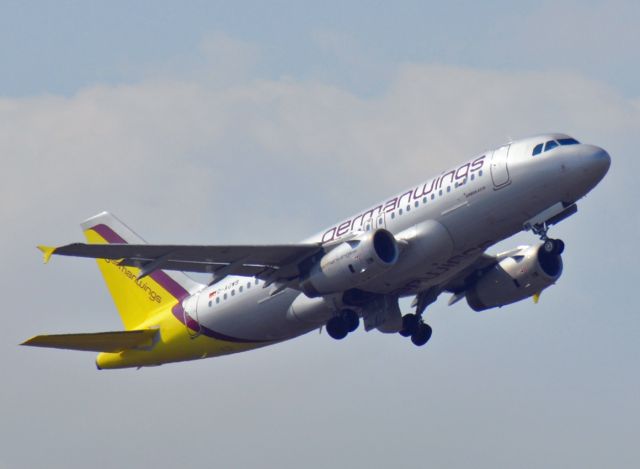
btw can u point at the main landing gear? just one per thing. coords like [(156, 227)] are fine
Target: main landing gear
[(339, 326), (413, 326)]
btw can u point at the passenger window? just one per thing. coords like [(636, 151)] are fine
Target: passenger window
[(225, 296), (400, 212), (417, 204), (448, 188), (217, 300), (551, 144), (433, 196), (424, 200), (210, 303), (537, 149), (408, 208), (240, 288), (248, 284)]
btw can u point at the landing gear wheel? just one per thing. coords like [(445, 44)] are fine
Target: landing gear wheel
[(410, 324), (351, 319), (553, 246), (549, 246), (422, 335), (337, 328)]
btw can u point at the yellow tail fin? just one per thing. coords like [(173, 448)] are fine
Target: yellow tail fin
[(136, 300)]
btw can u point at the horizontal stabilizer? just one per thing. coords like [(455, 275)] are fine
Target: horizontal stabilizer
[(96, 342)]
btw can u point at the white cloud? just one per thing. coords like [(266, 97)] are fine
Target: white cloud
[(253, 149)]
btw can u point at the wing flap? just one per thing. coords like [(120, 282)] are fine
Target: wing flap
[(97, 341)]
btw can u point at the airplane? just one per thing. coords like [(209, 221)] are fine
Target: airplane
[(427, 240)]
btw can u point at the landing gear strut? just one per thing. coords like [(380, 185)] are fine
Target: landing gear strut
[(550, 246), (339, 326)]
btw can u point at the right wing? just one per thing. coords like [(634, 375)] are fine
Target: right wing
[(462, 280), (485, 262)]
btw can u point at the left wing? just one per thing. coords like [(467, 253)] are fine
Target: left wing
[(97, 341), (275, 262)]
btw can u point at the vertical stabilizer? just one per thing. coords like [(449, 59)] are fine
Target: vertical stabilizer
[(136, 300)]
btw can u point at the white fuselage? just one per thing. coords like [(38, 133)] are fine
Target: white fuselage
[(472, 206)]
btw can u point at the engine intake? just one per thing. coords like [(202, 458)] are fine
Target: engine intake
[(352, 263), (515, 278)]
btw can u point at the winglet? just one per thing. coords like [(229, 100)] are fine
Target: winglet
[(536, 297), (47, 251)]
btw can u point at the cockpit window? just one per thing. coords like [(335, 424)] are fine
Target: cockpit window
[(552, 144)]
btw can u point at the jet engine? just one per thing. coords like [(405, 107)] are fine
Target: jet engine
[(352, 263), (519, 276)]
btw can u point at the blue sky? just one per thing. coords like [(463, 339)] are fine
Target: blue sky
[(252, 122), (60, 47)]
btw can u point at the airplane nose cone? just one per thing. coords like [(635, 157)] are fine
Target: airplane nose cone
[(585, 166), (599, 163)]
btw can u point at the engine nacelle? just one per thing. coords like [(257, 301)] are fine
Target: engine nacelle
[(352, 263), (515, 278)]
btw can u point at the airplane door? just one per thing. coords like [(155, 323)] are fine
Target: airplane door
[(499, 168)]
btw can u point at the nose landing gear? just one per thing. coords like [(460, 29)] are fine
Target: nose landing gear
[(550, 246), (553, 246)]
